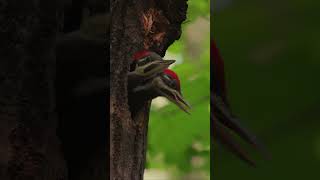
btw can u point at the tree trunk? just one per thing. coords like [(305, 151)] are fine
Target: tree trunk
[(29, 147), (81, 57), (136, 25)]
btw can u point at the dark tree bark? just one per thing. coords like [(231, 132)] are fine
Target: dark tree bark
[(29, 147), (136, 25), (81, 57)]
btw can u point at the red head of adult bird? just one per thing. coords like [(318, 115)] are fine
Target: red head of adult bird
[(167, 84), (222, 119)]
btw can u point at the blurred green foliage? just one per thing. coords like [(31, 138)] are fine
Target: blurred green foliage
[(175, 138), (271, 54)]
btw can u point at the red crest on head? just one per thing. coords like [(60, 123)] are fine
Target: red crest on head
[(218, 68), (173, 75), (141, 54)]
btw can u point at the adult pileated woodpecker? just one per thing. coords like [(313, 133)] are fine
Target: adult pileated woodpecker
[(222, 119)]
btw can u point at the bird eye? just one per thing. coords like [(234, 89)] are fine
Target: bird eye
[(143, 61), (170, 82), (149, 68), (174, 84), (166, 78)]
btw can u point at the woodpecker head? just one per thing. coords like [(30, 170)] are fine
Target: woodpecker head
[(169, 87), (222, 119), (147, 64)]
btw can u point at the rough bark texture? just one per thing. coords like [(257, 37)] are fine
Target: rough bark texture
[(136, 25), (29, 147)]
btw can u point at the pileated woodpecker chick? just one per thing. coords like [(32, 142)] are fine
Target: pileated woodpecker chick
[(167, 84), (146, 65)]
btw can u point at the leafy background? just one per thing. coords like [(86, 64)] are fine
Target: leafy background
[(272, 57), (179, 144)]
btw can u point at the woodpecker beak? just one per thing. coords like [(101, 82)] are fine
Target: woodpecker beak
[(224, 122), (173, 96), (226, 138)]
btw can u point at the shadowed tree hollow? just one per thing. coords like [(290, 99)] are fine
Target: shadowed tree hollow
[(136, 24)]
